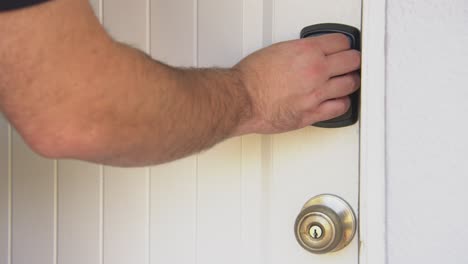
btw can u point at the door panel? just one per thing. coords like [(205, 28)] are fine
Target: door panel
[(235, 203), (313, 160), (173, 212), (173, 33), (33, 205), (5, 201), (79, 217)]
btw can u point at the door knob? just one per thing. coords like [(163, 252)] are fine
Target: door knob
[(325, 224), (353, 34)]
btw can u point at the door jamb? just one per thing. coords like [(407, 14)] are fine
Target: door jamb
[(372, 186)]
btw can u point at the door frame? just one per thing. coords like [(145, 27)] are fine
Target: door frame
[(372, 183)]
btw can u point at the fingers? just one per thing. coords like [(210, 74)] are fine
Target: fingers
[(339, 86), (328, 110), (344, 62), (332, 43)]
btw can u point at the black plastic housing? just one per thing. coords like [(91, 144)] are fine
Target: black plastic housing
[(354, 35)]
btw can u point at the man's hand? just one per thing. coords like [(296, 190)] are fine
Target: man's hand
[(297, 83)]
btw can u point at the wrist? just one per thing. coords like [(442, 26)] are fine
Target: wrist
[(224, 96), (245, 124)]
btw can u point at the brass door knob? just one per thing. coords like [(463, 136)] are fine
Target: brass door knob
[(325, 224)]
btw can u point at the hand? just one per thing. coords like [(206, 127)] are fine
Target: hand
[(297, 83)]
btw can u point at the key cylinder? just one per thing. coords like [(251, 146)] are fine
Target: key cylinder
[(325, 224)]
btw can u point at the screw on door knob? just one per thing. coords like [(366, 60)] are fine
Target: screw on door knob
[(325, 224)]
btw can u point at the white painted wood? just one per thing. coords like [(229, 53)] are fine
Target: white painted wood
[(125, 216), (289, 17), (219, 174), (252, 199), (173, 212), (5, 191), (127, 21), (372, 200), (173, 209), (33, 198), (174, 32), (126, 191), (220, 33), (311, 161), (253, 26), (79, 212), (219, 204)]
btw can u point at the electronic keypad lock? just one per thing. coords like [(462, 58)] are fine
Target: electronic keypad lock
[(352, 115)]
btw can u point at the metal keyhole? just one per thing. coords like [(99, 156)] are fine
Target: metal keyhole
[(316, 232)]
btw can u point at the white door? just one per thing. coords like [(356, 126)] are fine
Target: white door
[(236, 203), (310, 161)]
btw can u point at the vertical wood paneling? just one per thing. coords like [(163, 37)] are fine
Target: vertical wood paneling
[(173, 212), (80, 207), (268, 22), (251, 164), (126, 196), (253, 26), (267, 148), (174, 185), (33, 197), (220, 32), (79, 213), (219, 238), (4, 192), (125, 216), (219, 204), (289, 16), (252, 201), (127, 21), (173, 32)]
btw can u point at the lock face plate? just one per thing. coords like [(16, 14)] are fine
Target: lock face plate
[(354, 35), (325, 224)]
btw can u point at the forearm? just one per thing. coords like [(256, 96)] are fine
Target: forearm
[(164, 113)]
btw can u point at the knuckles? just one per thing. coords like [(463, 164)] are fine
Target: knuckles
[(308, 47), (318, 70), (319, 94)]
